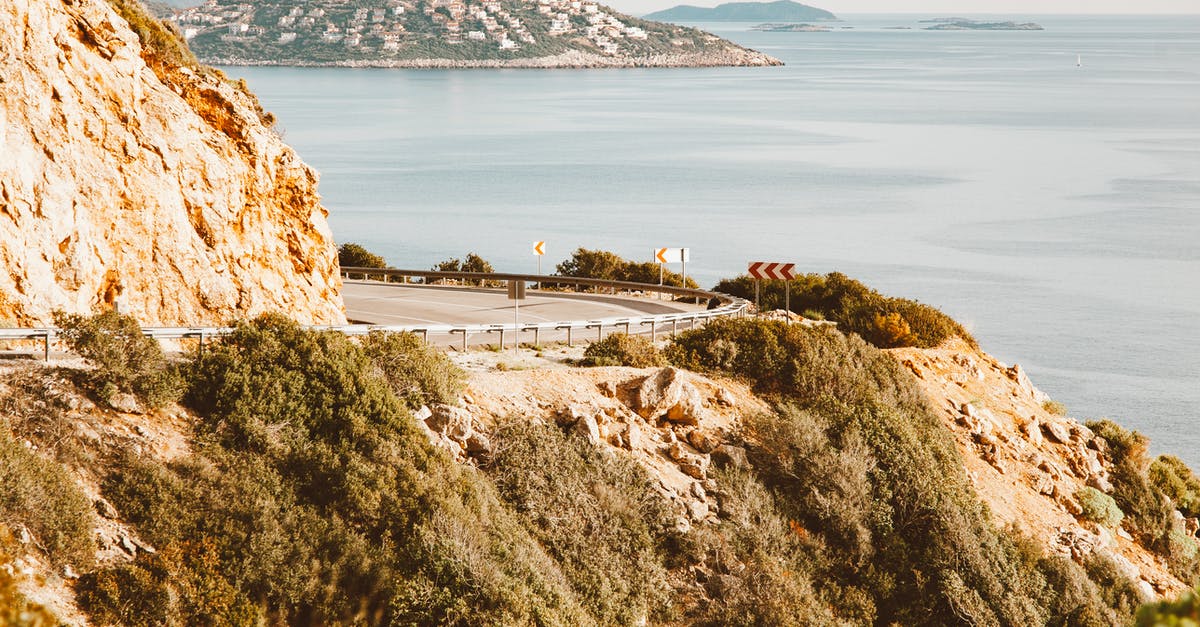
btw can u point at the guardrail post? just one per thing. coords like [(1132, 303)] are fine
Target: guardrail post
[(47, 346), (501, 338), (626, 327), (425, 335), (675, 327), (200, 352), (569, 343), (537, 336), (653, 331), (599, 332)]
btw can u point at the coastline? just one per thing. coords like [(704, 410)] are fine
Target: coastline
[(567, 60)]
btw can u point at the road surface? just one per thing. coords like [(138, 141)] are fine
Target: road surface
[(372, 302)]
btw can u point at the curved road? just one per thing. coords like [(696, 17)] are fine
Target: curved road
[(372, 302)]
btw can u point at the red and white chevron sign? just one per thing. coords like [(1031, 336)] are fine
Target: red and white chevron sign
[(768, 270)]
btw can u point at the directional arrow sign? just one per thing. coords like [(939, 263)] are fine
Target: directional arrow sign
[(768, 270), (539, 248), (671, 255)]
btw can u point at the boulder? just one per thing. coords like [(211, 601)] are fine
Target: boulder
[(698, 510), (668, 394), (478, 445), (1033, 431), (725, 397), (453, 422), (607, 388), (703, 441), (730, 456), (1017, 375), (693, 467), (1057, 432), (125, 403), (587, 427), (423, 413)]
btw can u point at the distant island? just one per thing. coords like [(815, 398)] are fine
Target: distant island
[(447, 34), (791, 28), (780, 11), (960, 23)]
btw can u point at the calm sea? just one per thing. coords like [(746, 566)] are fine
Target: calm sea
[(1053, 208)]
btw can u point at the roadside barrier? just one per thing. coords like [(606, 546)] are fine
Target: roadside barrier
[(723, 306)]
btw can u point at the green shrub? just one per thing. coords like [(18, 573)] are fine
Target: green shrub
[(598, 515), (323, 504), (163, 46), (1148, 510), (1169, 475), (473, 263), (1099, 507), (1183, 612), (884, 321), (15, 609), (1147, 514), (1055, 407), (858, 458), (602, 264), (620, 349), (39, 494), (124, 359), (352, 255), (418, 373)]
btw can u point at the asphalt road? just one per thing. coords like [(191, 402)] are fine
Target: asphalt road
[(372, 302)]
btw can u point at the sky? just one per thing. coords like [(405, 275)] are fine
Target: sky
[(1022, 7)]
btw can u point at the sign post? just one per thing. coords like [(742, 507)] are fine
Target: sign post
[(774, 271), (539, 251), (672, 255), (516, 293)]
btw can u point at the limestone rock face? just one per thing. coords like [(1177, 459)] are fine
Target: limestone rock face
[(162, 193)]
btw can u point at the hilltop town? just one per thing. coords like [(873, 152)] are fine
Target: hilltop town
[(436, 32)]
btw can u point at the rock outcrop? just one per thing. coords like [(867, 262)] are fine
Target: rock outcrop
[(146, 185), (1026, 462)]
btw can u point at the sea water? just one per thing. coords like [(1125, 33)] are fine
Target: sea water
[(1052, 207)]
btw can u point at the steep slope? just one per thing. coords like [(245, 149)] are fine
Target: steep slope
[(128, 178), (448, 33), (1027, 463)]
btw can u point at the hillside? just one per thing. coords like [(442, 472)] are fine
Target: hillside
[(133, 177), (774, 474), (778, 11), (447, 33)]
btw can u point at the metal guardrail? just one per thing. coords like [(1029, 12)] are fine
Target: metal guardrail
[(729, 306)]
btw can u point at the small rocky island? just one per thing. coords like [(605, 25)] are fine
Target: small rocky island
[(447, 34), (791, 28), (960, 23)]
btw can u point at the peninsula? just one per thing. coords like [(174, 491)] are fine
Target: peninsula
[(779, 11), (447, 34)]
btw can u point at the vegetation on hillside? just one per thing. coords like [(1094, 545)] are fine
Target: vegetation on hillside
[(863, 466), (351, 255), (311, 495), (1145, 497), (602, 264), (620, 349), (885, 321), (314, 499)]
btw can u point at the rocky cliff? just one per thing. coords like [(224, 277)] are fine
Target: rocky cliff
[(130, 179)]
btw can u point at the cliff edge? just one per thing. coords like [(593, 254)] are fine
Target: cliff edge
[(133, 179)]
